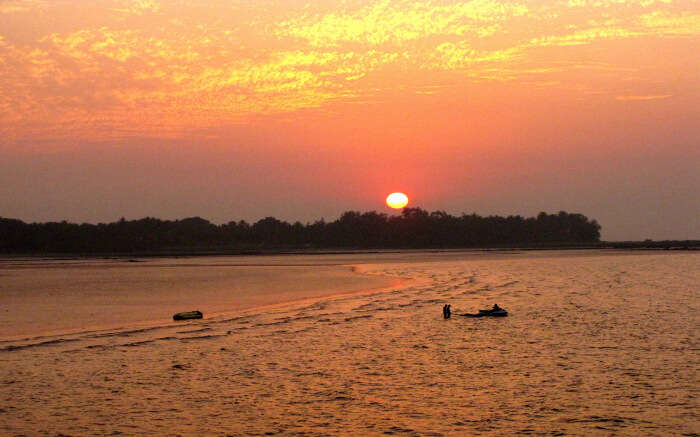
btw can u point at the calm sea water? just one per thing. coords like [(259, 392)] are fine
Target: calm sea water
[(43, 297), (596, 344)]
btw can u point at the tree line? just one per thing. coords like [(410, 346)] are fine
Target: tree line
[(413, 228)]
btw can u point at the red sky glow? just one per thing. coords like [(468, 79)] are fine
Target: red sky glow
[(241, 109)]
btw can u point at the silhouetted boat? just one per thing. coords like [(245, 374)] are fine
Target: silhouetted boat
[(488, 313), (187, 315)]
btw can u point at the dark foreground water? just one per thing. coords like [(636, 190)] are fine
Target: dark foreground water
[(596, 344)]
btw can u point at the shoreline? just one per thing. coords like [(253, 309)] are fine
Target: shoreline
[(670, 245), (306, 297), (10, 344), (310, 295)]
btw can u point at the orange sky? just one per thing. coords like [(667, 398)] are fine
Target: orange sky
[(301, 110)]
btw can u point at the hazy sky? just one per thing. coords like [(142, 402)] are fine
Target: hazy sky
[(241, 109)]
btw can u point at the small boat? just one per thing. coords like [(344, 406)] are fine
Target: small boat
[(187, 315), (488, 313)]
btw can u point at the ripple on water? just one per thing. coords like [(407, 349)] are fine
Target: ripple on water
[(590, 358)]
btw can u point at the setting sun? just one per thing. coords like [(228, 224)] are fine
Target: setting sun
[(396, 200)]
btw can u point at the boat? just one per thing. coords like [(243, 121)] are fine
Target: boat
[(488, 313), (187, 315)]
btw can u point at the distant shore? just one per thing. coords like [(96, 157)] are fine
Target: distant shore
[(667, 245), (415, 228)]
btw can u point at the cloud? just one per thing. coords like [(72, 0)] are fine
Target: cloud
[(642, 98), (194, 65), (450, 56), (398, 22), (137, 7), (168, 83), (586, 36), (667, 23), (607, 4), (19, 6)]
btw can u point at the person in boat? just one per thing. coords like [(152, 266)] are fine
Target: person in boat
[(446, 311), (496, 308)]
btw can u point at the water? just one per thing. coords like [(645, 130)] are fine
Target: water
[(60, 296), (596, 344)]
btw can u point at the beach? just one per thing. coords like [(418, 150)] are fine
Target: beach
[(596, 343)]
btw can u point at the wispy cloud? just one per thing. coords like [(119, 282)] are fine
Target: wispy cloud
[(163, 67), (138, 7), (668, 23), (19, 6), (399, 22), (650, 97)]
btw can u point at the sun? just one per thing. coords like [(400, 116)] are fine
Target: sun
[(397, 200)]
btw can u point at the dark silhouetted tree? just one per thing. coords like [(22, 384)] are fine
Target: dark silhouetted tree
[(413, 228)]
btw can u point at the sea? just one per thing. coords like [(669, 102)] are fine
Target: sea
[(596, 343)]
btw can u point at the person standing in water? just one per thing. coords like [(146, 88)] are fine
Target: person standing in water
[(446, 311)]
